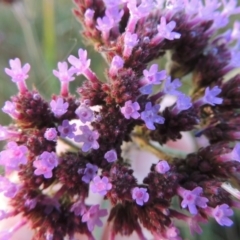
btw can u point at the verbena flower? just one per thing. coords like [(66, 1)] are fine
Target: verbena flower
[(62, 149)]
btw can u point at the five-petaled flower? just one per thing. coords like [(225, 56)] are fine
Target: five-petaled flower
[(140, 195), (100, 185), (130, 110)]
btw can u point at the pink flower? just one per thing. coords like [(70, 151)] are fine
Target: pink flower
[(50, 134), (81, 63), (162, 167), (13, 156), (59, 107), (84, 113), (17, 72), (140, 195), (130, 109), (101, 186), (92, 217), (64, 74), (8, 188), (192, 199)]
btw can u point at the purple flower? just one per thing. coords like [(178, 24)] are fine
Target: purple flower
[(58, 107), (140, 195), (235, 154), (8, 188), (64, 74), (10, 108), (210, 96), (152, 76), (221, 214), (84, 113), (162, 167), (183, 103), (89, 172), (100, 185), (130, 110), (111, 156), (17, 72), (147, 89), (93, 215), (67, 129), (171, 86), (88, 16), (104, 25), (192, 199), (114, 14), (51, 134), (150, 116), (3, 133), (166, 29), (78, 208), (13, 156), (130, 41), (81, 63), (45, 164), (116, 64), (88, 137)]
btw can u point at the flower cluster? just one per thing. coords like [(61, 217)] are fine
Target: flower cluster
[(51, 189)]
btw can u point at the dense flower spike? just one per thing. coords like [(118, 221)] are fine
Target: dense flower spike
[(63, 149)]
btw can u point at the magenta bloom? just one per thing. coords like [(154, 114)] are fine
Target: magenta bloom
[(8, 188), (59, 107), (93, 215), (13, 156), (81, 63), (88, 137), (221, 214), (111, 156), (51, 134), (85, 113), (116, 64), (100, 185), (162, 167), (45, 163), (192, 199), (17, 72), (64, 74), (130, 110), (152, 76), (150, 116), (67, 129), (166, 29), (140, 195), (89, 172)]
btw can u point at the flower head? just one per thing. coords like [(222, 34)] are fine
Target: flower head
[(152, 76), (67, 129), (51, 134), (64, 74), (162, 167), (140, 195), (85, 113), (210, 96)]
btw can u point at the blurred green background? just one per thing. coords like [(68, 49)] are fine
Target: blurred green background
[(43, 32)]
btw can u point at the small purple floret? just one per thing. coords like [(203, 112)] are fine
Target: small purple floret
[(140, 195), (59, 107), (210, 96), (67, 129), (111, 156), (150, 116), (64, 74), (130, 110), (89, 172), (152, 76), (51, 134), (162, 167), (100, 185), (93, 215), (85, 113), (221, 214)]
